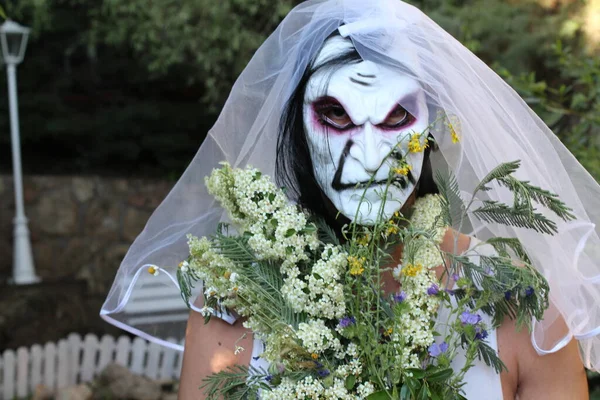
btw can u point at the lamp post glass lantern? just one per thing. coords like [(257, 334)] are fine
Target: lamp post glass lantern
[(13, 40)]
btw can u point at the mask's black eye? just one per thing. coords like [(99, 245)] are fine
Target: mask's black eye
[(398, 118), (332, 113)]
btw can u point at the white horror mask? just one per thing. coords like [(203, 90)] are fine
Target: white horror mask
[(354, 116)]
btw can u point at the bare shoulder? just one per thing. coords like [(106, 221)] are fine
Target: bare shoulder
[(455, 241), (559, 375), (210, 348)]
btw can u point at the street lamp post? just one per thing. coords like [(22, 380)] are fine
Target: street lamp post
[(13, 39)]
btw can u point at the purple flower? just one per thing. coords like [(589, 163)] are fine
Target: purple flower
[(507, 295), (318, 365), (436, 349), (529, 291), (269, 378), (323, 373), (489, 271), (455, 277), (400, 297), (347, 321), (480, 333), (469, 319), (433, 290), (450, 292)]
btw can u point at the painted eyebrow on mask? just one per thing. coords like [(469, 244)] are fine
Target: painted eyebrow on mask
[(362, 83)]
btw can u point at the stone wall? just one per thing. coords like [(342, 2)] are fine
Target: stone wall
[(81, 227)]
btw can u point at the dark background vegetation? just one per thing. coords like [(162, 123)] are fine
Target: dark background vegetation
[(113, 86), (130, 88)]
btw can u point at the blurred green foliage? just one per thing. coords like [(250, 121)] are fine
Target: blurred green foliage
[(109, 86), (542, 54), (200, 40)]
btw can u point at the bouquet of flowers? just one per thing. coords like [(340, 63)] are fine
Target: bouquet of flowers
[(314, 296)]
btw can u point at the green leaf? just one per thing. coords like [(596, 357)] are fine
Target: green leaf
[(435, 396), (350, 382), (405, 393), (440, 376), (381, 395), (417, 373), (290, 232), (423, 393), (2, 13)]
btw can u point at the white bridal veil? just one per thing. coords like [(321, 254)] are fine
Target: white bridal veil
[(496, 126)]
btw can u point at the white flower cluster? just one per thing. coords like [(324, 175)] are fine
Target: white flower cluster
[(279, 230), (310, 388), (415, 327), (426, 215), (316, 337), (415, 330), (323, 294), (326, 292), (211, 267)]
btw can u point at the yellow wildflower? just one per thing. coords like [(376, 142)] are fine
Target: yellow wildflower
[(414, 145), (453, 126), (412, 270), (392, 229), (152, 270), (314, 356), (227, 274), (402, 170), (356, 265), (364, 240), (455, 138), (389, 331)]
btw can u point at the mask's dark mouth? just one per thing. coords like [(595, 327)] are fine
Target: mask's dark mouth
[(336, 184), (401, 181)]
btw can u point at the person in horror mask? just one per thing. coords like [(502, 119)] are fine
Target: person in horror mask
[(346, 124)]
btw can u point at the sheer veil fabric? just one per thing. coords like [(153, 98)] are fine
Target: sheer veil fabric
[(495, 126)]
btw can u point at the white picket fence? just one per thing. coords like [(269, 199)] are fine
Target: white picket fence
[(75, 360)]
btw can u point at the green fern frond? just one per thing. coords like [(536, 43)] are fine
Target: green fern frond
[(489, 356), (500, 171), (264, 280), (524, 192), (186, 282), (497, 276), (236, 382), (502, 245), (453, 209), (235, 248), (521, 217), (325, 232)]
